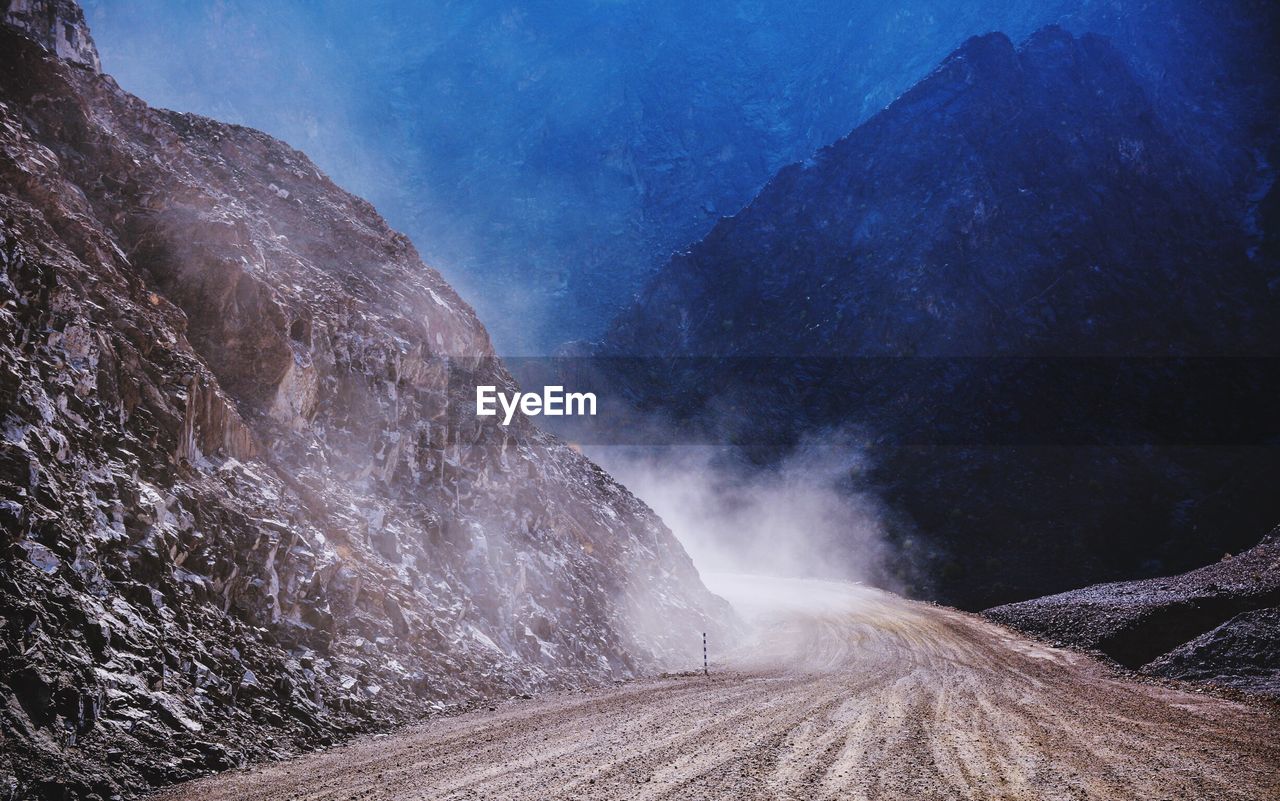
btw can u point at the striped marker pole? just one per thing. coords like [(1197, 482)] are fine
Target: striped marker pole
[(704, 655)]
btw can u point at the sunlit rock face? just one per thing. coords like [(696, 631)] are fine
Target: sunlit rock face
[(1031, 201), (247, 506), (56, 24)]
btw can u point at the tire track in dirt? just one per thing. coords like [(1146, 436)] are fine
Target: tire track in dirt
[(844, 693)]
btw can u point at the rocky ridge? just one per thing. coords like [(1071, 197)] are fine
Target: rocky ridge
[(966, 281), (568, 152), (247, 509), (1216, 624)]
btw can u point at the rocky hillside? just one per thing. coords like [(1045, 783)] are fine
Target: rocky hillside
[(994, 281), (582, 144), (563, 151), (247, 508), (1218, 624), (1009, 188)]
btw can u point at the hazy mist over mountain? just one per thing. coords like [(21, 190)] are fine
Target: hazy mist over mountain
[(542, 160), (548, 158), (774, 353)]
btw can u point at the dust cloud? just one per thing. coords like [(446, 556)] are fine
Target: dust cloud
[(801, 518)]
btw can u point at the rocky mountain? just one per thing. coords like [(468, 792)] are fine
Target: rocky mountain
[(580, 144), (247, 506), (550, 157), (1017, 283), (1215, 624)]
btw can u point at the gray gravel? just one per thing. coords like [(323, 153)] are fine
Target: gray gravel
[(846, 693)]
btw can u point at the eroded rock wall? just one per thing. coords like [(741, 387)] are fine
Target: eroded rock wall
[(247, 508)]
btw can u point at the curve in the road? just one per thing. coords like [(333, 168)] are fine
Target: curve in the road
[(844, 693)]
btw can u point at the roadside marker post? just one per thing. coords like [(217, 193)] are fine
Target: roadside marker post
[(705, 672)]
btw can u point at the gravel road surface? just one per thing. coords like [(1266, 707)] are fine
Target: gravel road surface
[(844, 693)]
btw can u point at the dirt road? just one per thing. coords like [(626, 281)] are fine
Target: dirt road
[(847, 693)]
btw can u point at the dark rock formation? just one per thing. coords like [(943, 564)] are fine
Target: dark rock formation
[(931, 270), (1215, 624), (246, 505), (1008, 204), (1243, 653)]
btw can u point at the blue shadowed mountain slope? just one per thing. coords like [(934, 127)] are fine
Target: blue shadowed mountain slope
[(548, 156), (1018, 206)]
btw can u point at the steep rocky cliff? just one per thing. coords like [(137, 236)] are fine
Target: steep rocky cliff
[(996, 280), (58, 25), (247, 507)]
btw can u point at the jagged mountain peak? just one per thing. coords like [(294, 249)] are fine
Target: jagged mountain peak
[(1016, 206), (992, 208)]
